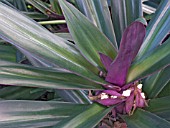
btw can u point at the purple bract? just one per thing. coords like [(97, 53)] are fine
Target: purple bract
[(127, 96)]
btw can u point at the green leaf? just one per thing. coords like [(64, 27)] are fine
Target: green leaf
[(157, 29), (124, 12), (35, 15), (85, 6), (35, 41), (22, 75), (87, 37), (20, 93), (151, 62), (55, 6), (37, 114), (45, 8), (104, 20), (8, 3), (87, 119), (74, 96), (154, 84), (41, 6), (133, 10), (119, 19), (20, 4), (165, 91), (7, 53), (66, 36), (145, 119), (98, 12), (160, 107)]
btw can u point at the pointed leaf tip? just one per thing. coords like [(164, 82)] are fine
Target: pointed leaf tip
[(106, 60), (131, 41), (85, 32)]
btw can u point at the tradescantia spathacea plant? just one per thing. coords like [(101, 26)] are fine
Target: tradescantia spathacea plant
[(110, 58), (117, 72)]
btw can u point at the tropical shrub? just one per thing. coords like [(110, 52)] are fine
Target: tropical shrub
[(110, 70)]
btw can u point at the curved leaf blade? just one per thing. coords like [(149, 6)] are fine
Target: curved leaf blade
[(85, 7), (66, 36), (133, 10), (20, 4), (20, 93), (22, 75), (160, 107), (35, 15), (157, 29), (103, 19), (26, 114), (74, 96), (41, 6), (55, 6), (87, 37), (124, 12), (145, 119), (8, 53), (26, 34), (154, 84), (165, 91), (151, 62), (87, 119), (119, 19)]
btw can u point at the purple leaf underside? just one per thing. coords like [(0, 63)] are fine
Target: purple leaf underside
[(106, 61), (109, 102), (130, 44)]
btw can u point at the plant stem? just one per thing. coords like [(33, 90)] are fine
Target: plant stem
[(52, 22)]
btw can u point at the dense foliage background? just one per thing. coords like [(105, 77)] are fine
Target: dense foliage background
[(49, 62)]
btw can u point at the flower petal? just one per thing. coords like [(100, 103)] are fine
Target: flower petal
[(129, 47), (106, 61), (109, 102)]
